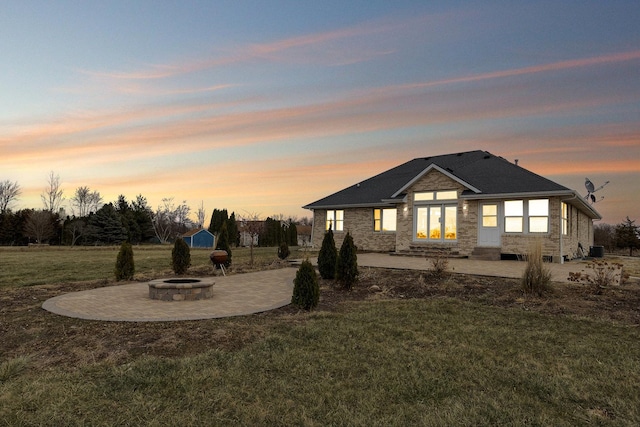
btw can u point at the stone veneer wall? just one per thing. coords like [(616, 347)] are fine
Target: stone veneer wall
[(358, 222)]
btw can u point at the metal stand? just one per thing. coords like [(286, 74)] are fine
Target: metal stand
[(222, 268)]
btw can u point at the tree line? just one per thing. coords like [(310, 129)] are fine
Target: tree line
[(625, 235)]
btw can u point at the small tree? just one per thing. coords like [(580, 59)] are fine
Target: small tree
[(327, 256), (626, 235), (347, 263), (181, 256), (306, 291), (125, 268), (283, 251)]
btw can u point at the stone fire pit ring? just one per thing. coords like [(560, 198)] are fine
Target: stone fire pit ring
[(181, 289)]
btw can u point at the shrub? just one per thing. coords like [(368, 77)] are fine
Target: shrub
[(327, 257), (223, 242), (347, 263), (283, 251), (306, 291), (125, 269), (439, 265), (602, 275), (181, 257), (536, 278)]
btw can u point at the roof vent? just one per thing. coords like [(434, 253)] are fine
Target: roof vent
[(516, 162), (487, 156), (459, 154)]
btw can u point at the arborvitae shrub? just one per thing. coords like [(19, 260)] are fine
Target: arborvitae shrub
[(181, 256), (283, 251), (327, 256), (223, 242), (125, 268), (306, 291), (347, 263)]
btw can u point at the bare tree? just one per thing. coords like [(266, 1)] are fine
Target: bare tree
[(52, 196), (9, 192), (252, 226), (201, 215), (39, 226), (169, 220), (85, 201)]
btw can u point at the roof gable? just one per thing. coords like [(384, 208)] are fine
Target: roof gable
[(482, 173)]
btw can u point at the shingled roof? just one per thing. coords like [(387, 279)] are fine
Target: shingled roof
[(480, 172)]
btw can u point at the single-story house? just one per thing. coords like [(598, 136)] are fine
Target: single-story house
[(199, 238), (469, 203)]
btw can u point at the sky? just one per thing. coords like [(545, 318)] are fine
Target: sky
[(261, 107)]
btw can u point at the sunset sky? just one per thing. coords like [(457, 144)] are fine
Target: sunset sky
[(261, 107)]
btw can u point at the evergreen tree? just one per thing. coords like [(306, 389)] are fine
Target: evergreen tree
[(232, 229), (105, 226), (142, 215), (347, 263), (218, 217), (306, 291), (292, 234), (180, 256), (327, 256), (626, 235), (125, 268), (223, 243)]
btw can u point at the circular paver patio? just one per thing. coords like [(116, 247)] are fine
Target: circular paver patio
[(235, 295)]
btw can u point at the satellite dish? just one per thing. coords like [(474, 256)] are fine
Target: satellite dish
[(591, 189)]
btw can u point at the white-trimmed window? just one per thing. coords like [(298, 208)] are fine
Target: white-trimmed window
[(427, 196), (565, 219), (384, 219), (538, 216), (335, 220), (513, 216)]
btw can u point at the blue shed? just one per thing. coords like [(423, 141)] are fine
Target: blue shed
[(199, 238)]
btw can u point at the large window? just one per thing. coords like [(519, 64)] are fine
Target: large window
[(535, 211), (384, 219), (436, 222), (426, 196), (335, 220)]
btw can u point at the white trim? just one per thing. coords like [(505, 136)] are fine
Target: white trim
[(431, 167)]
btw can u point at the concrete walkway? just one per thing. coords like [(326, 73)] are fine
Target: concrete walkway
[(243, 294), (511, 269)]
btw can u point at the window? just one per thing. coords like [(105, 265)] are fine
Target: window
[(436, 222), (539, 216), (335, 220), (513, 216), (565, 219), (427, 196), (384, 219), (490, 216)]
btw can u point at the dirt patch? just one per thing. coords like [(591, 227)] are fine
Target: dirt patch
[(52, 340)]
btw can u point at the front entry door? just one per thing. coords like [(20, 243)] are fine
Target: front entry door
[(489, 225)]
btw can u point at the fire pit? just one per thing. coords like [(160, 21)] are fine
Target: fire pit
[(181, 289)]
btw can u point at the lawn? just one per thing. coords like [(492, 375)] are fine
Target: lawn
[(462, 351)]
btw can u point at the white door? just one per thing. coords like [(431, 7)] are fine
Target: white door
[(489, 225)]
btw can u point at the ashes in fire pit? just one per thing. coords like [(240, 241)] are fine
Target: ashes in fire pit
[(187, 289)]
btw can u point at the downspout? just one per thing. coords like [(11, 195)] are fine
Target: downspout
[(313, 226), (561, 219)]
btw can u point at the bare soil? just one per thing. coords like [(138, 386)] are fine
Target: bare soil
[(50, 340)]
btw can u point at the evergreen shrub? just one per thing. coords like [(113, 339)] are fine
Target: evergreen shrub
[(283, 251), (223, 242), (347, 263), (327, 256), (306, 291), (181, 257), (125, 268)]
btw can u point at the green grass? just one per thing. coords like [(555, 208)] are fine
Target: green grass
[(27, 266), (420, 362)]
